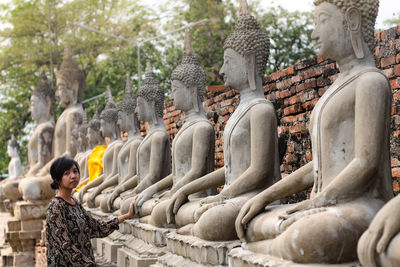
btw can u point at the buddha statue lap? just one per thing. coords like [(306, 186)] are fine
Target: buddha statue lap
[(153, 153), (70, 85), (193, 146), (40, 143), (250, 142), (109, 128), (350, 171), (127, 122)]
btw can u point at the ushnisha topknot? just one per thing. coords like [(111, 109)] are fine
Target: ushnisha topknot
[(69, 73), (128, 104), (44, 91), (110, 112), (94, 123), (151, 91), (248, 37), (13, 142), (189, 72), (369, 12)]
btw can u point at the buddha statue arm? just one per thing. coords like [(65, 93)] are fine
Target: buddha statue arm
[(211, 180), (132, 161), (200, 151), (370, 119), (92, 184), (158, 145), (383, 228), (74, 120), (123, 187), (114, 169), (107, 183), (299, 180), (261, 171)]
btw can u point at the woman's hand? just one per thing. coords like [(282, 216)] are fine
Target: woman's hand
[(249, 210), (130, 213)]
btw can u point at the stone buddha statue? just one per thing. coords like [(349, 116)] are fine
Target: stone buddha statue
[(40, 143), (83, 150), (153, 154), (128, 122), (70, 85), (94, 155), (192, 148), (14, 166), (109, 129), (250, 142), (350, 171)]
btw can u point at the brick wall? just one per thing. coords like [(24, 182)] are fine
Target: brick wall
[(294, 92)]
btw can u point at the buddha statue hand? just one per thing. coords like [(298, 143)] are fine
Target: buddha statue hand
[(248, 211), (177, 200), (110, 200), (382, 229), (90, 200), (289, 219), (81, 193), (143, 197), (318, 202)]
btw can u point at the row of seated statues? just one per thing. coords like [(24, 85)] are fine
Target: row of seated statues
[(350, 174)]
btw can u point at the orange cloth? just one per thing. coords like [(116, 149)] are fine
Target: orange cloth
[(95, 164)]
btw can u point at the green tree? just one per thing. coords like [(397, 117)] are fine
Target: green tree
[(393, 21)]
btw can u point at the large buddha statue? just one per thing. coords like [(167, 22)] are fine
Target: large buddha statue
[(192, 148), (153, 153), (94, 155), (109, 129), (40, 143), (350, 171), (128, 122), (250, 142), (70, 85), (380, 244), (83, 151)]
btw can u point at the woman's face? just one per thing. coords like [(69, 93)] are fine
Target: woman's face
[(70, 178)]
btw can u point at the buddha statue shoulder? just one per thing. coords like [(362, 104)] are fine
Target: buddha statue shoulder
[(193, 146), (250, 142), (350, 171)]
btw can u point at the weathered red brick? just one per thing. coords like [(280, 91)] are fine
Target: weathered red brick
[(292, 109), (387, 61), (395, 162), (394, 110), (396, 188), (395, 83), (308, 156), (290, 70), (296, 79), (215, 88), (396, 70), (398, 58), (389, 72), (227, 102), (225, 118), (298, 128), (396, 172), (290, 101)]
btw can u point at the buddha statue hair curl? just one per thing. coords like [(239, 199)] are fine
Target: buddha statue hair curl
[(248, 37), (110, 112), (369, 12), (95, 123)]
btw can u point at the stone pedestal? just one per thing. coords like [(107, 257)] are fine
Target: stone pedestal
[(239, 257), (184, 250)]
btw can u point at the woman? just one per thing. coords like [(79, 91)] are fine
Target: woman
[(69, 227)]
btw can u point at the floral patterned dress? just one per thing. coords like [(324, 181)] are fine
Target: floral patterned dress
[(69, 229)]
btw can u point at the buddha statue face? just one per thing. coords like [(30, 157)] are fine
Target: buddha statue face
[(66, 95), (93, 136), (330, 33), (107, 128), (143, 110), (124, 121), (234, 70), (82, 139), (12, 151), (182, 96), (38, 108)]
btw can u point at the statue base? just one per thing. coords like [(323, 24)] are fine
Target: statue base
[(17, 259), (198, 252), (240, 257)]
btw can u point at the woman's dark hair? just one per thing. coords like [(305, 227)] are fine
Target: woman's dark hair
[(58, 168)]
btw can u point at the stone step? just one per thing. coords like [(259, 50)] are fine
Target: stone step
[(200, 251), (173, 260), (239, 257), (129, 258), (149, 233)]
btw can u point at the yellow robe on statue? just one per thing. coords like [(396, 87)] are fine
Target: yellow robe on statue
[(95, 164)]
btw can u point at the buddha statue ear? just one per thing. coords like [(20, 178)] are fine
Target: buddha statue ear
[(153, 112), (195, 98), (353, 19), (251, 69), (75, 89)]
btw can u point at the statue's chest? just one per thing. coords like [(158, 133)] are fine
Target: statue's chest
[(237, 133), (61, 126), (182, 146)]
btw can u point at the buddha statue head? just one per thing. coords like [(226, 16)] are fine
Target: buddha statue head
[(109, 117), (126, 110), (42, 100), (70, 81), (12, 147), (94, 135), (246, 53), (82, 132), (347, 27), (188, 80), (150, 99)]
